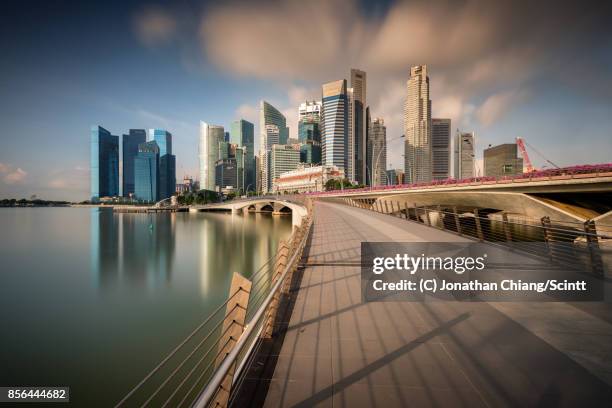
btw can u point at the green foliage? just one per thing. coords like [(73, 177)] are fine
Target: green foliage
[(335, 184)]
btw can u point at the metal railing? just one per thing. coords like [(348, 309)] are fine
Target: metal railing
[(197, 369), (585, 244)]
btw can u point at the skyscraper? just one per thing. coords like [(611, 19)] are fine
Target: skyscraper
[(464, 155), (167, 162), (417, 127), (440, 148), (273, 130), (334, 125), (269, 115), (163, 139), (210, 137), (243, 135), (358, 83), (350, 138), (104, 163), (146, 172), (378, 143), (130, 150)]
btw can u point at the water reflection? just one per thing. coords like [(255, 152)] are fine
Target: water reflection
[(135, 248), (139, 249)]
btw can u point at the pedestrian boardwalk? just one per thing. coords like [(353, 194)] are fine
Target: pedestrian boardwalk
[(340, 352)]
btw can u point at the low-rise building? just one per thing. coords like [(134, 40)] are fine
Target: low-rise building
[(306, 179)]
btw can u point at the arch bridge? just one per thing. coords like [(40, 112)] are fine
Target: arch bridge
[(258, 205)]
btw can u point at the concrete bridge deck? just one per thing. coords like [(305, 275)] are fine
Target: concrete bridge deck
[(338, 351)]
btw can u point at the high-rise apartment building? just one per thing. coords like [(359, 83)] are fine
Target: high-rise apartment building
[(104, 163), (283, 158), (210, 137), (130, 150), (147, 172), (417, 127), (358, 119), (502, 160), (334, 125), (167, 162), (440, 148), (464, 155), (378, 147), (243, 135)]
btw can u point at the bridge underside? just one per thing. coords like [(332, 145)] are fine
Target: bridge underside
[(571, 208)]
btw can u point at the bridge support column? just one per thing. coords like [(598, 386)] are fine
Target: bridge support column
[(232, 328)]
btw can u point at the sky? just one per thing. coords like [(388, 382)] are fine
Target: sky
[(539, 70)]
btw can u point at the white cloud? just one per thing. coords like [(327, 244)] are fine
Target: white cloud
[(497, 105), (12, 175)]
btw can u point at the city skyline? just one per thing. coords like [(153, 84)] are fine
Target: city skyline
[(163, 75)]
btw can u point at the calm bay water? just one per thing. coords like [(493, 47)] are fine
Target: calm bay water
[(93, 300)]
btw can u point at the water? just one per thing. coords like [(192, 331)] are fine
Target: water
[(93, 300)]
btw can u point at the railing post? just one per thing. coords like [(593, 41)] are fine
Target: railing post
[(416, 212), (386, 207), (506, 225), (478, 226), (457, 223), (593, 244), (427, 216), (548, 238), (441, 216), (231, 330), (279, 265), (406, 210)]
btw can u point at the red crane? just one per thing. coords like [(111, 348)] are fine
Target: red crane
[(520, 142)]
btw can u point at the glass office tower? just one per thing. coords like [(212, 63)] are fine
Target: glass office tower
[(104, 163), (146, 172), (334, 125), (130, 150), (243, 135), (167, 162)]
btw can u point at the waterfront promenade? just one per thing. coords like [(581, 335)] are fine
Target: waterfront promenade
[(339, 351)]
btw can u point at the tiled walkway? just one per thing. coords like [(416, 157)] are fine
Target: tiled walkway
[(341, 352)]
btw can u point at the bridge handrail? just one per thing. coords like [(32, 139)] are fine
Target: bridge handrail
[(173, 377), (565, 242), (213, 385)]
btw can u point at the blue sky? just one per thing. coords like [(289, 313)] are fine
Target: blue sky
[(544, 74)]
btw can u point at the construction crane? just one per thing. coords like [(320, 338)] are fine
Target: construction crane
[(520, 142)]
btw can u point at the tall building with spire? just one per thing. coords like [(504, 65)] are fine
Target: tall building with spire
[(334, 125), (358, 128), (417, 127)]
